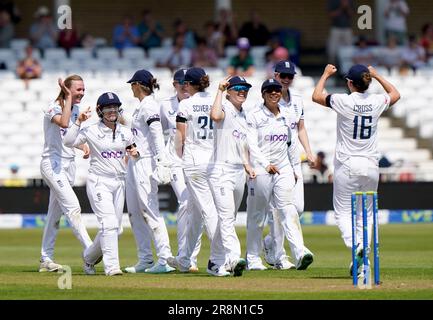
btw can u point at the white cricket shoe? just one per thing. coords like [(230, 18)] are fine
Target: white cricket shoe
[(256, 267), (174, 263), (89, 269), (268, 249), (50, 266), (284, 264), (114, 272), (140, 267), (216, 271), (160, 268)]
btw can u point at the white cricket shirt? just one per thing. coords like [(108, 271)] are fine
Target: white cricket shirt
[(53, 134), (106, 155), (168, 111), (145, 113), (273, 136), (195, 110), (295, 107), (357, 117)]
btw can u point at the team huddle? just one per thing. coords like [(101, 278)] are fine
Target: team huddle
[(207, 147)]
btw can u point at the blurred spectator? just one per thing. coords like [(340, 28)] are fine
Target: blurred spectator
[(151, 31), (384, 163), (28, 68), (203, 56), (177, 57), (273, 44), (256, 32), (242, 64), (340, 13), (320, 171), (413, 54), (214, 38), (390, 55), (427, 39), (278, 54), (7, 29), (180, 27), (15, 179), (68, 39), (87, 41), (395, 20), (43, 32), (12, 9), (125, 35), (363, 53), (227, 27)]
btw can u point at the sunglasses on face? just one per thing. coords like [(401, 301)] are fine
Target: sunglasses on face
[(180, 82), (272, 90), (286, 76), (240, 88)]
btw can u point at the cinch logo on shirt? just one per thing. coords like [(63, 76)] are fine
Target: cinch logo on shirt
[(276, 137), (112, 154), (239, 135), (134, 131)]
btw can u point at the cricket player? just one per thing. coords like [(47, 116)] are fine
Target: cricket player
[(194, 143), (58, 170), (285, 73), (168, 112), (109, 142), (356, 156), (271, 125), (143, 176), (228, 172)]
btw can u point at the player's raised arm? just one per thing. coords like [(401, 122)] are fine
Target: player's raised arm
[(216, 112), (319, 94), (387, 86)]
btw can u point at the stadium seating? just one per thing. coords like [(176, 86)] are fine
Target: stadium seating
[(21, 134)]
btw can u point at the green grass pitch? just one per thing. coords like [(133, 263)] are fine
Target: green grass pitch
[(406, 253)]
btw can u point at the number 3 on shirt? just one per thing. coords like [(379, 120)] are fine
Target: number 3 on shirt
[(365, 127), (204, 132)]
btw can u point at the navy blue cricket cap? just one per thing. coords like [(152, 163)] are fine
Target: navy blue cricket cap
[(142, 76), (236, 81), (108, 98), (179, 75), (355, 73), (271, 83), (285, 66), (194, 75)]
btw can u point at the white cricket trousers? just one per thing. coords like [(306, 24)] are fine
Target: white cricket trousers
[(262, 190), (203, 212), (107, 198), (276, 233), (346, 181), (59, 175), (179, 187), (227, 184), (143, 206)]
